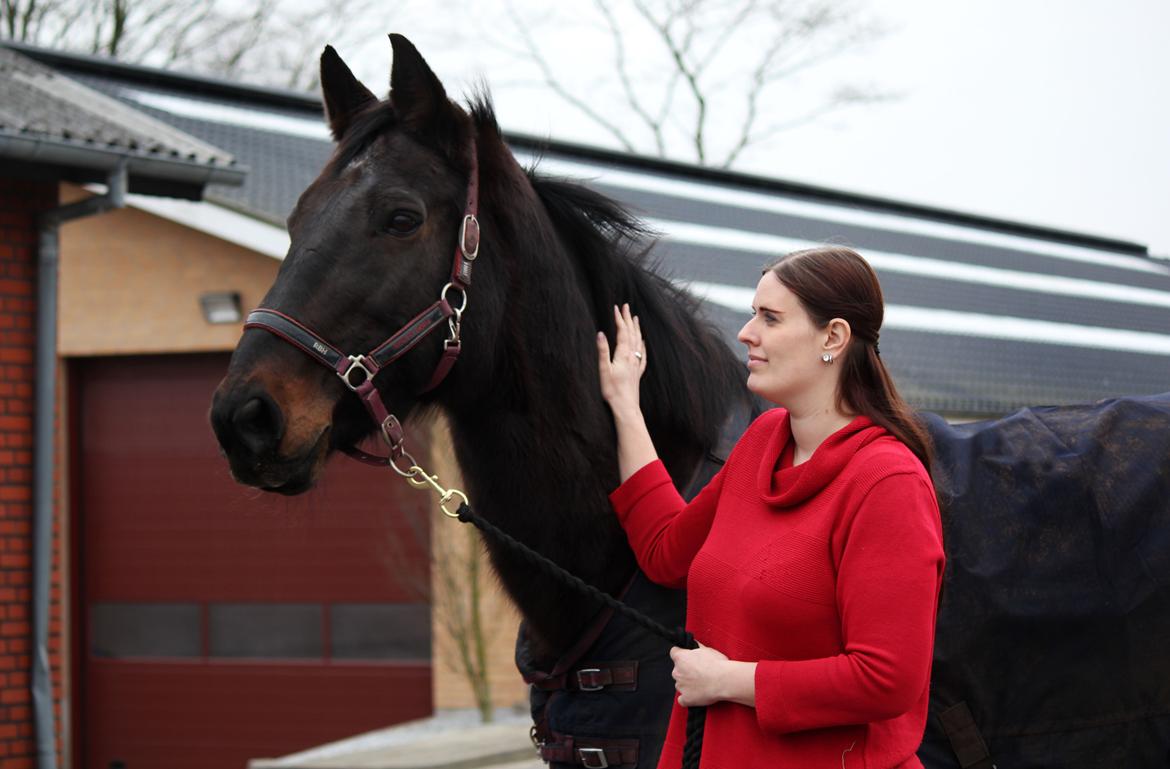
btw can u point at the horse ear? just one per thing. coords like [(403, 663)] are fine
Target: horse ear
[(344, 95), (417, 94)]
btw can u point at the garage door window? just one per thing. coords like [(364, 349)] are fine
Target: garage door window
[(265, 630), (380, 631), (388, 632), (145, 630)]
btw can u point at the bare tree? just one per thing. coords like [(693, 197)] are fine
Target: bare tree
[(263, 41), (22, 19), (460, 574), (468, 620), (676, 65)]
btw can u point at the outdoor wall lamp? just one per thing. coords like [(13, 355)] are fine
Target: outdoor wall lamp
[(221, 306)]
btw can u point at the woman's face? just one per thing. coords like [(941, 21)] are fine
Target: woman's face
[(784, 346)]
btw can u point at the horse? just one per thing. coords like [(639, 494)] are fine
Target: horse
[(416, 178), (370, 246)]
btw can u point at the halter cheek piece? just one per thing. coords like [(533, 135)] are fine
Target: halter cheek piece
[(358, 371)]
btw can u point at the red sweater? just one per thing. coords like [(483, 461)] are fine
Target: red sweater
[(827, 574)]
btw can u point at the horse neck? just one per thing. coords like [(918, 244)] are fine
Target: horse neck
[(534, 438), (537, 448)]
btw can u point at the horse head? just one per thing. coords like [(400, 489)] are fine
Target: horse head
[(372, 240)]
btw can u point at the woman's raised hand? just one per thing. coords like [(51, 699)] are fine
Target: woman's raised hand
[(621, 373)]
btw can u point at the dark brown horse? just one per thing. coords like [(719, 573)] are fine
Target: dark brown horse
[(1057, 522), (372, 240)]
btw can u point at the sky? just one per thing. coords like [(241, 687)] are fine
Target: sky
[(1048, 113)]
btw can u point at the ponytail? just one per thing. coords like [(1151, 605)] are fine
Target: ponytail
[(866, 387), (836, 282)]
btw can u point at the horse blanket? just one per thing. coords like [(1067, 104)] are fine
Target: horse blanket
[(1054, 621)]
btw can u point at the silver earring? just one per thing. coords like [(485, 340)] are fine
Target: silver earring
[(827, 357)]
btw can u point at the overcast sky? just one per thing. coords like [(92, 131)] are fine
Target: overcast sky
[(1053, 113)]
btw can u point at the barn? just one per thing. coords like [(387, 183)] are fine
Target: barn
[(291, 623)]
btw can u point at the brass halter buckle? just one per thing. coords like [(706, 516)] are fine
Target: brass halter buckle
[(421, 479)]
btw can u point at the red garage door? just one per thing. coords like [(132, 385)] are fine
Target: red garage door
[(216, 623)]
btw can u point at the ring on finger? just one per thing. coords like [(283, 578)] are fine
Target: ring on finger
[(638, 354)]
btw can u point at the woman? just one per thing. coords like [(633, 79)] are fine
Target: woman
[(813, 560)]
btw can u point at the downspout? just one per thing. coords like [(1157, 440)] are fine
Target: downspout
[(43, 445)]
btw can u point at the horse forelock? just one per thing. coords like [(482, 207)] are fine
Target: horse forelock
[(364, 129), (380, 118)]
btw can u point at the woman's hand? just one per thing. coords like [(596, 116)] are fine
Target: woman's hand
[(703, 676), (620, 376), (621, 373), (698, 675)]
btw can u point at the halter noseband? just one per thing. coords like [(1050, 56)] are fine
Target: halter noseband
[(358, 371)]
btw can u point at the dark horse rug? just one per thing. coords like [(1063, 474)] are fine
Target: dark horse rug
[(1053, 638), (1054, 624)]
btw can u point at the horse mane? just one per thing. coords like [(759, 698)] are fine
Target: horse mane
[(693, 379)]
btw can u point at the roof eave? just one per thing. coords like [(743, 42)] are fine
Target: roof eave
[(148, 172), (769, 184)]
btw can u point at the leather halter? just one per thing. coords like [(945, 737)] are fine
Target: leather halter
[(358, 371)]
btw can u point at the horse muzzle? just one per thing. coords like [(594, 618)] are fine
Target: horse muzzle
[(253, 435)]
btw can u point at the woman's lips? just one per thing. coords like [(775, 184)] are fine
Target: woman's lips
[(754, 362)]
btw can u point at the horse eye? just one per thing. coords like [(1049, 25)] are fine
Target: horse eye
[(403, 222)]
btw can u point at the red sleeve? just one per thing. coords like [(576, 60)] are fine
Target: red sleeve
[(664, 530), (888, 584)]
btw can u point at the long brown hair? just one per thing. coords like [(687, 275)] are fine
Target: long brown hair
[(836, 282)]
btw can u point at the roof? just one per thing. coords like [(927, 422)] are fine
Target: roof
[(50, 120), (983, 316)]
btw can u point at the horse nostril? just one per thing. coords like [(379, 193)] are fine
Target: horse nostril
[(258, 425)]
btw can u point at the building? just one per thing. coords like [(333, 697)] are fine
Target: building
[(983, 316)]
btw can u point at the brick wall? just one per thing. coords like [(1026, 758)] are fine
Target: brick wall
[(20, 201)]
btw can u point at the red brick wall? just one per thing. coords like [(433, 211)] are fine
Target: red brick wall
[(20, 201)]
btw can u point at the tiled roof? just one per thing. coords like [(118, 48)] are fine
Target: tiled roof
[(983, 316), (42, 111)]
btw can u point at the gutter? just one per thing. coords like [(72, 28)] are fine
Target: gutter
[(46, 399), (176, 168)]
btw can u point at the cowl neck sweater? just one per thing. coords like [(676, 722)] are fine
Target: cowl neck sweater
[(783, 485), (826, 575)]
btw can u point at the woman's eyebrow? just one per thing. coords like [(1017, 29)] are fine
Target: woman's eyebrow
[(769, 309)]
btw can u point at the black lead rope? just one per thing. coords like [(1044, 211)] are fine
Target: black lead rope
[(696, 717)]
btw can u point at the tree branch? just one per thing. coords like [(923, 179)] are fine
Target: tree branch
[(729, 31), (844, 99), (678, 56), (759, 81), (558, 88), (655, 125)]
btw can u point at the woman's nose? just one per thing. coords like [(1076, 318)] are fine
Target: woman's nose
[(745, 335)]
